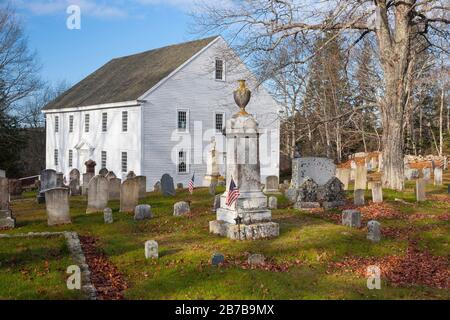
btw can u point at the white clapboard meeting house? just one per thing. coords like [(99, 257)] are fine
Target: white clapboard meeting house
[(156, 112)]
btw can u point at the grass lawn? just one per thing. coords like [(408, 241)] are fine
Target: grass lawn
[(35, 269), (308, 243)]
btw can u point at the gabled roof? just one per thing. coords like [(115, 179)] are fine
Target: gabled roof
[(128, 78)]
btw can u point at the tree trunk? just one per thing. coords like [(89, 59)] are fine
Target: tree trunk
[(441, 123)]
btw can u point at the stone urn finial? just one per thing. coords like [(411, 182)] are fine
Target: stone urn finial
[(242, 97)]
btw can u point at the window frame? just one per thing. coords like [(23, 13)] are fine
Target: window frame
[(126, 123), (180, 130), (122, 162), (56, 124), (104, 122), (186, 161), (70, 160), (56, 157), (71, 121), (103, 157), (223, 69), (87, 123), (215, 121)]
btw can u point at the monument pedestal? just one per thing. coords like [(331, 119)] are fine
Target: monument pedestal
[(248, 217)]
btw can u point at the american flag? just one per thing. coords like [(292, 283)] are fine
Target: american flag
[(233, 193), (191, 184)]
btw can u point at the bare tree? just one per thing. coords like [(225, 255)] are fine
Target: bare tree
[(263, 25)]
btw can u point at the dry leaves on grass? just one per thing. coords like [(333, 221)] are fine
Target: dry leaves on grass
[(414, 268), (105, 277), (376, 211)]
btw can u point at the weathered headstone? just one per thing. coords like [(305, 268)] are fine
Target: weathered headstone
[(273, 203), (271, 185), (114, 188), (216, 204), (319, 169), (142, 181), (377, 192), (334, 194), (86, 179), (7, 221), (47, 181), (420, 190), (2, 173), (59, 180), (359, 197), (143, 212), (212, 187), (74, 182), (438, 176), (167, 186), (291, 194), (129, 195), (361, 176), (151, 249), (374, 231), (217, 259), (103, 172), (108, 216), (57, 205), (181, 208), (97, 194), (426, 172), (343, 174), (111, 175), (351, 218), (131, 175), (256, 259), (157, 187), (307, 195), (180, 186)]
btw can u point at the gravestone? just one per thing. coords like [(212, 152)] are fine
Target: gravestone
[(273, 203), (142, 181), (333, 193), (374, 231), (151, 249), (74, 182), (90, 166), (179, 186), (103, 172), (108, 216), (216, 204), (212, 188), (271, 185), (359, 197), (111, 175), (438, 176), (291, 194), (59, 180), (181, 208), (157, 187), (129, 195), (143, 212), (360, 176), (217, 259), (377, 192), (212, 166), (57, 205), (97, 194), (114, 188), (343, 174), (256, 259), (2, 174), (7, 221), (248, 218), (131, 175), (420, 190), (90, 173), (426, 172), (351, 218), (47, 181), (321, 170), (307, 195), (167, 186)]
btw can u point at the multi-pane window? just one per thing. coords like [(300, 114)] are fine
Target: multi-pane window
[(56, 157), (103, 159), (124, 121), (70, 158), (219, 69), (56, 124), (182, 120), (71, 123), (182, 166), (124, 162), (104, 122), (86, 122), (219, 122)]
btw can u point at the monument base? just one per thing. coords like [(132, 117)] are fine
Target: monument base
[(256, 231)]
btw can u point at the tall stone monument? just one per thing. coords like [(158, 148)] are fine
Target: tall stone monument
[(90, 173), (212, 167), (248, 218)]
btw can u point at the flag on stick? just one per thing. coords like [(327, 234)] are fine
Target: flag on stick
[(233, 193), (191, 184)]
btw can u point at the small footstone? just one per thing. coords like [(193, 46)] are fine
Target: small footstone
[(292, 195), (374, 231), (151, 249), (351, 218), (181, 208), (273, 203), (142, 212), (179, 186), (256, 259), (217, 259), (108, 216)]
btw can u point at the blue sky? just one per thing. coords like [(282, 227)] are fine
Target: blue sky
[(109, 29)]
